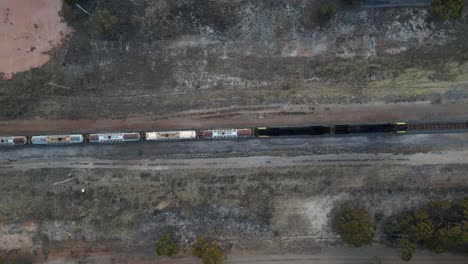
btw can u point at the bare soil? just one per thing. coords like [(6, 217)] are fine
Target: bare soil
[(30, 29)]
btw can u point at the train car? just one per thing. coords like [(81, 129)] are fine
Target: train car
[(57, 139), (227, 133), (114, 137), (171, 135), (399, 127), (13, 141), (292, 131)]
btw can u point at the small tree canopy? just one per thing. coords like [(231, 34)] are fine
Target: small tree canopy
[(440, 226), (210, 252), (166, 247), (106, 21), (355, 227), (417, 226), (326, 11), (448, 9), (407, 249)]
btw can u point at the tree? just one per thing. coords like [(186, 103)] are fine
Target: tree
[(418, 227), (106, 21), (407, 249), (440, 226), (355, 227), (326, 11), (166, 247), (210, 252), (445, 239), (448, 9)]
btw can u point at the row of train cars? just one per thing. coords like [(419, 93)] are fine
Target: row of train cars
[(261, 132)]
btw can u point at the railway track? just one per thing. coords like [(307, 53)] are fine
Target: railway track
[(231, 133), (438, 126)]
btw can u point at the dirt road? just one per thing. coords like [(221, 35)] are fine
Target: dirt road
[(448, 157), (252, 117), (330, 255), (343, 259)]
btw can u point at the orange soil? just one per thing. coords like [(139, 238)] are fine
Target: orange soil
[(28, 30)]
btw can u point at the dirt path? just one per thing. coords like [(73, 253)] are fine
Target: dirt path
[(29, 29), (343, 258), (447, 157), (252, 117), (331, 255)]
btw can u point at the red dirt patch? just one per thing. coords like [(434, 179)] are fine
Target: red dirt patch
[(29, 29)]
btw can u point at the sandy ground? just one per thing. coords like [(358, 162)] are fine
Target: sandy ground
[(253, 117), (28, 30)]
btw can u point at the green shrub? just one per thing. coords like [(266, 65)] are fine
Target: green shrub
[(417, 226), (448, 9), (210, 252), (326, 11), (166, 247), (407, 249), (355, 227), (440, 226), (107, 23)]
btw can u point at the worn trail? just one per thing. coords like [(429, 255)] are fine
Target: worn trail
[(446, 157)]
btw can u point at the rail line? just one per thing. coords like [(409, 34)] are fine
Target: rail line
[(230, 133), (438, 126)]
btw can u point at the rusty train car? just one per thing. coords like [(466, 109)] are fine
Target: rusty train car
[(227, 133), (13, 141), (216, 134), (57, 139), (106, 138), (171, 135)]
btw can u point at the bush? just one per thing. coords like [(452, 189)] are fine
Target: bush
[(407, 249), (417, 226), (440, 226), (210, 252), (166, 247), (448, 9), (326, 11), (355, 227), (107, 23)]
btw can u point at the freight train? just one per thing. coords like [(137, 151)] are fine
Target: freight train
[(230, 133)]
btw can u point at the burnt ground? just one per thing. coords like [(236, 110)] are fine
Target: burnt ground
[(267, 209), (169, 57), (217, 61)]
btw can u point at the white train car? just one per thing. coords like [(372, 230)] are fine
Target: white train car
[(171, 135), (57, 139), (114, 137), (13, 141)]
